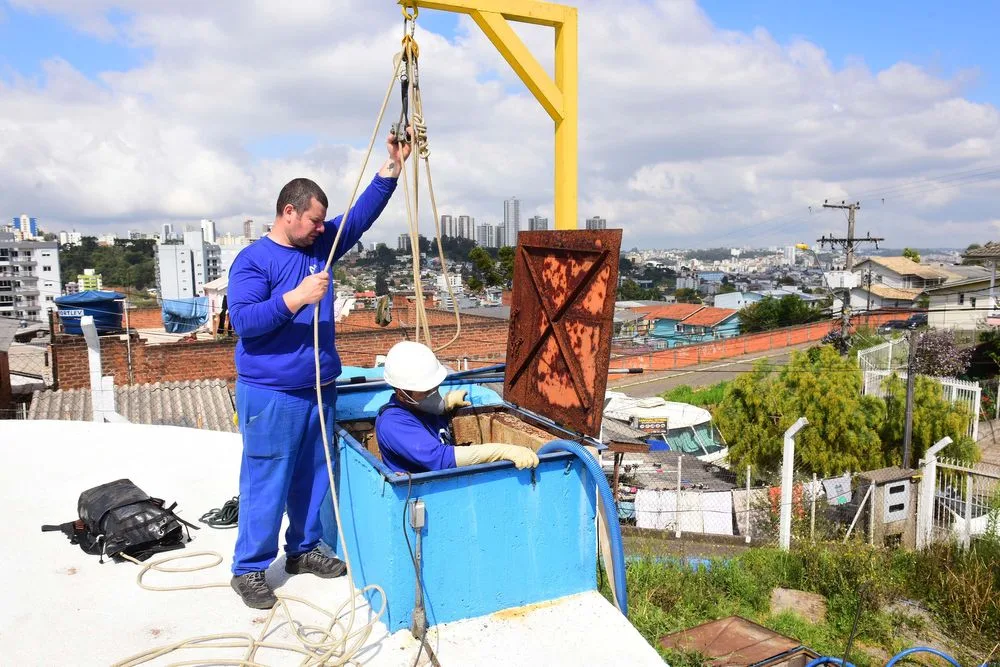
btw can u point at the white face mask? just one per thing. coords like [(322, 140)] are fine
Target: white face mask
[(432, 404)]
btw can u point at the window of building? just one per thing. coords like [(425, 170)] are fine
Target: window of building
[(972, 301), (48, 299), (46, 268), (961, 299)]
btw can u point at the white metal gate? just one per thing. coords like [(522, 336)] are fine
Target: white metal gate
[(965, 502)]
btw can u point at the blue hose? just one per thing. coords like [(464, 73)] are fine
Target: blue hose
[(610, 511), (921, 649), (827, 660)]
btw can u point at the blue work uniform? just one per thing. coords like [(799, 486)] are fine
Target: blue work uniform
[(284, 465), (413, 441)]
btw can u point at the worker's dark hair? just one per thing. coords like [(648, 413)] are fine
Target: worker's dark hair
[(299, 193)]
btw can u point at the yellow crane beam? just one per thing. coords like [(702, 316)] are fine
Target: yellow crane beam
[(558, 97)]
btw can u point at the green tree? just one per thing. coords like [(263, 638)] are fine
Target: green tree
[(506, 264), (625, 265), (770, 313), (381, 286), (934, 417), (727, 288), (475, 284), (484, 267), (687, 295), (911, 254), (817, 384)]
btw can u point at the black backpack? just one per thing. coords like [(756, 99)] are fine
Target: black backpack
[(119, 518)]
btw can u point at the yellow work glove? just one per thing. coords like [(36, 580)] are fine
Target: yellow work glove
[(236, 419), (455, 399), (521, 457)]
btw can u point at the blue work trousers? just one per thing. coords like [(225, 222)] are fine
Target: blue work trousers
[(283, 469)]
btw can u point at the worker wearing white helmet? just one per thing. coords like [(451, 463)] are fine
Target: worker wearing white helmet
[(413, 431)]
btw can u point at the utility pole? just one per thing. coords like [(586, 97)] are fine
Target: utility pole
[(848, 243), (911, 383)]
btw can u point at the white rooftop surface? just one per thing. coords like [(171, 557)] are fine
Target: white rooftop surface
[(64, 608)]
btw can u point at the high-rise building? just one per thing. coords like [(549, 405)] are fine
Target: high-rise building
[(597, 223), (133, 235), (182, 270), (486, 235), (537, 223), (208, 230), (501, 236), (466, 227), (29, 279), (404, 243), (27, 226), (511, 221), (448, 226), (789, 255), (166, 232), (248, 228)]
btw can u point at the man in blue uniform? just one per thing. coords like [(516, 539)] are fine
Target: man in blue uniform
[(273, 285), (413, 430)]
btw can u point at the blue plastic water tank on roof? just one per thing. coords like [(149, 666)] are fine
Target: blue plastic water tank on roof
[(105, 307)]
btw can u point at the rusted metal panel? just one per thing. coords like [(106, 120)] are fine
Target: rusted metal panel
[(735, 641), (561, 322)]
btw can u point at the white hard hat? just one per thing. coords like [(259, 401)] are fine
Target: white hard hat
[(413, 367)]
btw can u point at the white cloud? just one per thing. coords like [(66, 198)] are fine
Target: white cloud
[(689, 134)]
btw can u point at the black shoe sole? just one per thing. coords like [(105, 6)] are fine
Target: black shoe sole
[(259, 605)]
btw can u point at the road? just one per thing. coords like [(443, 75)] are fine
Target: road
[(654, 384)]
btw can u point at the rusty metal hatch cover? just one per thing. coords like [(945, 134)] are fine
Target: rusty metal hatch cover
[(561, 321)]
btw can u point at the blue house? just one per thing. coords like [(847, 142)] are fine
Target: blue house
[(687, 323)]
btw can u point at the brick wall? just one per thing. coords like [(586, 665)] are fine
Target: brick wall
[(198, 360), (145, 318), (483, 339)]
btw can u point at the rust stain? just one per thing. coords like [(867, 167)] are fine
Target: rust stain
[(155, 632), (516, 613), (559, 349)]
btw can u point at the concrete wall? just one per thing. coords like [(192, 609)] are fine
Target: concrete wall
[(951, 311), (495, 537)]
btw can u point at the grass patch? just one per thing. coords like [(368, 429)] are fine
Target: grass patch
[(961, 590), (704, 397)]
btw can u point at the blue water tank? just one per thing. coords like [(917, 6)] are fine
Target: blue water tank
[(104, 307)]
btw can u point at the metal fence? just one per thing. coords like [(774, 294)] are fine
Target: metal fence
[(965, 503)]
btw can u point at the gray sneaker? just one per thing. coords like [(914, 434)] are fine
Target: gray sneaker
[(315, 562), (254, 590)]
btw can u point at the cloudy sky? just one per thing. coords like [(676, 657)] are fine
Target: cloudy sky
[(702, 124)]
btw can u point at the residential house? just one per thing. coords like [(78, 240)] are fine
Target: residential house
[(710, 324), (687, 323), (893, 282), (963, 304), (738, 300), (971, 302)]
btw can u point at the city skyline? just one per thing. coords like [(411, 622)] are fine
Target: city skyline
[(815, 108)]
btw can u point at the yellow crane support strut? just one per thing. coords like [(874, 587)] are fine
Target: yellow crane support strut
[(558, 97)]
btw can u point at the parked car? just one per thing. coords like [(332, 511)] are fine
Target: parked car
[(914, 321)]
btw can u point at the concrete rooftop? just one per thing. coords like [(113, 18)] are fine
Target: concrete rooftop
[(64, 608)]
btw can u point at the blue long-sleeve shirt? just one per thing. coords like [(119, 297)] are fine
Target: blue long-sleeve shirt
[(275, 349), (413, 441)]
